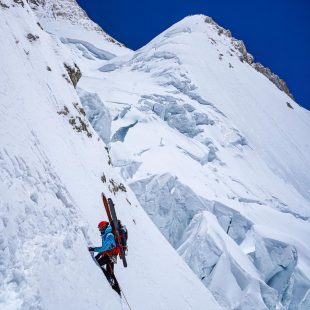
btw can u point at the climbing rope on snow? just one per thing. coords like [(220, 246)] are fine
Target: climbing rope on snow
[(125, 298)]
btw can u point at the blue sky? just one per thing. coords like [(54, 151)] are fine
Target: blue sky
[(276, 32)]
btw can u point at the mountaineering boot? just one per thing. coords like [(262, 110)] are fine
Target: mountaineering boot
[(115, 285)]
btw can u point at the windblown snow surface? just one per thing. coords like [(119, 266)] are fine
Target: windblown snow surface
[(212, 149)]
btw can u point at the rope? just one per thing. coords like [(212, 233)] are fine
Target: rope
[(126, 300), (125, 297)]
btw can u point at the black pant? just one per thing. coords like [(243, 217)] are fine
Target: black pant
[(107, 267)]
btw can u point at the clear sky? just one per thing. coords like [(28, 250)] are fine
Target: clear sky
[(276, 32)]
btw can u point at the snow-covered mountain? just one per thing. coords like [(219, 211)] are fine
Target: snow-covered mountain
[(53, 167), (217, 152), (210, 143)]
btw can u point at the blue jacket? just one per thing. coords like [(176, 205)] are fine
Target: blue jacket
[(108, 241)]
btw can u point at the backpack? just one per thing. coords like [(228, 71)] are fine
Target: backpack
[(123, 236)]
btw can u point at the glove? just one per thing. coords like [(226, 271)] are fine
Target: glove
[(91, 249)]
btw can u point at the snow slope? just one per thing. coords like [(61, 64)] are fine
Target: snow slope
[(68, 20), (53, 166), (217, 153)]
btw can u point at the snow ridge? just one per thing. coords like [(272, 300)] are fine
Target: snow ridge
[(70, 11), (247, 57)]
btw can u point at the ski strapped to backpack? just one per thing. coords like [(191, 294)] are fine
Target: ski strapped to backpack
[(119, 230)]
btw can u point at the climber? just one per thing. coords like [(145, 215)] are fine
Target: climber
[(107, 254)]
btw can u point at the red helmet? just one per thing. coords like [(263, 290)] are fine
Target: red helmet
[(102, 224)]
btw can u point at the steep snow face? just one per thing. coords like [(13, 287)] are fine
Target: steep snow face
[(217, 154), (53, 166)]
